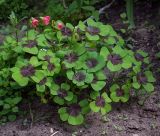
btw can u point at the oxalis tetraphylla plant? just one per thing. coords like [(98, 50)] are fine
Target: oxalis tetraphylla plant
[(82, 69)]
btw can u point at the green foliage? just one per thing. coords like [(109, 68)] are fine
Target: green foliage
[(18, 6), (9, 94), (66, 10), (81, 69)]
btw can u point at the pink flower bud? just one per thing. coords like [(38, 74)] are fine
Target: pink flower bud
[(60, 25), (46, 20), (34, 22)]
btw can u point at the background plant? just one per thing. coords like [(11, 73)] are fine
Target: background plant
[(67, 10)]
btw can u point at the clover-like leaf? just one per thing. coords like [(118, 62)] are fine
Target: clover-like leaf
[(72, 114), (101, 103), (61, 93), (80, 77), (52, 67), (93, 62), (119, 93)]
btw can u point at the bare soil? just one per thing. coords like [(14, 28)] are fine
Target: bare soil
[(130, 119)]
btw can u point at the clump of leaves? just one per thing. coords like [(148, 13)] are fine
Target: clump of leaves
[(120, 93), (72, 11), (144, 80), (101, 103), (74, 113), (80, 77), (81, 69), (61, 93)]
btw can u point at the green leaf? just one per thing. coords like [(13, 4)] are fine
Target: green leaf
[(40, 88), (16, 100), (110, 40), (69, 97), (6, 106), (114, 87), (58, 100), (70, 74), (95, 14), (89, 78), (1, 102), (114, 97), (92, 37), (31, 34), (104, 52), (41, 54), (83, 103), (149, 76), (99, 85), (39, 75), (101, 75), (104, 30), (15, 109), (81, 26), (76, 120), (106, 109), (94, 94), (41, 40), (33, 50), (79, 49), (62, 110), (144, 54), (12, 117), (65, 86), (112, 67), (59, 36), (123, 15), (107, 99), (127, 62), (64, 116), (34, 61), (148, 87), (136, 85), (91, 22), (22, 81), (137, 69), (120, 51), (125, 98), (93, 107), (74, 100), (70, 26), (54, 88)]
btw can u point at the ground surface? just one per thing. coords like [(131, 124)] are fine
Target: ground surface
[(129, 119)]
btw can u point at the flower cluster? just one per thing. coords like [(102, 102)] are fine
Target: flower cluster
[(45, 21)]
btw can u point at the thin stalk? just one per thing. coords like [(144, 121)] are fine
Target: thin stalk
[(130, 14), (17, 36)]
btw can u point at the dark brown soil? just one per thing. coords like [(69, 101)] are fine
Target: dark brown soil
[(129, 119)]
